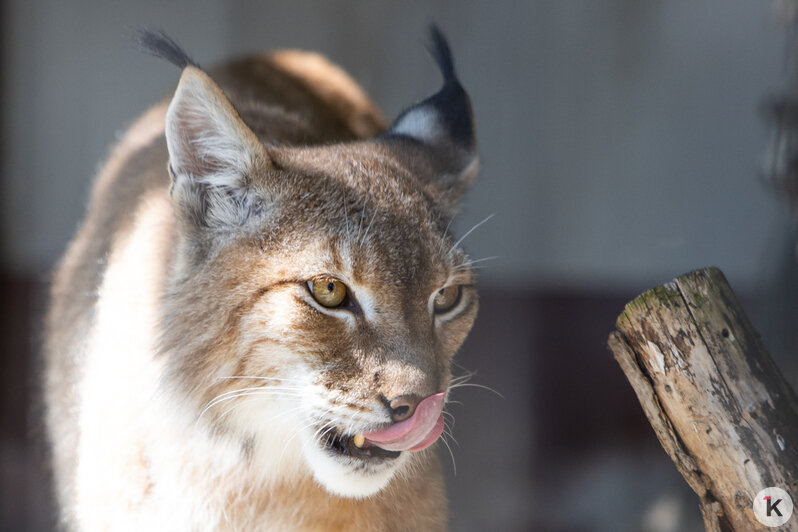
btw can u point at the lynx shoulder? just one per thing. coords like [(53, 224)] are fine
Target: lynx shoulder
[(254, 325)]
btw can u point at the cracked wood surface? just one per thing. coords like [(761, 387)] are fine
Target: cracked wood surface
[(717, 402)]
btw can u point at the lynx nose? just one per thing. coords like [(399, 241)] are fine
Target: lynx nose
[(403, 407)]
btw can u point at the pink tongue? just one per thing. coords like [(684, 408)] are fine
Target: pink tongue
[(415, 433)]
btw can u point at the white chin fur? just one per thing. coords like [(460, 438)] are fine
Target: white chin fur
[(348, 479)]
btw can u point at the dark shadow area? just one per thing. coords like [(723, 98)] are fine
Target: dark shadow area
[(25, 502)]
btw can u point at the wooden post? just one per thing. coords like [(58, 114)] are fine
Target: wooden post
[(714, 397)]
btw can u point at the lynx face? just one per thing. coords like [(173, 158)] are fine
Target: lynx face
[(317, 298)]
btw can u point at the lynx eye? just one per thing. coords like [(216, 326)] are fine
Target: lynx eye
[(328, 291), (446, 299)]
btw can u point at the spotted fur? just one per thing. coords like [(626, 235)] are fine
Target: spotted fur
[(191, 377)]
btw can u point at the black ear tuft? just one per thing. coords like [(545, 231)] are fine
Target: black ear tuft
[(452, 102), (445, 117), (439, 49), (159, 44), (437, 134)]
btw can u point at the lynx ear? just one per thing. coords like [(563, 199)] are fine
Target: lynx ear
[(212, 154), (440, 130)]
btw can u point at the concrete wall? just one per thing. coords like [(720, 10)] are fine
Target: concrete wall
[(621, 141)]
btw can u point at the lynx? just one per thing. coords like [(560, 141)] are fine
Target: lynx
[(254, 325)]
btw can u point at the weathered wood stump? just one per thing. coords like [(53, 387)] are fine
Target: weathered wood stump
[(717, 402)]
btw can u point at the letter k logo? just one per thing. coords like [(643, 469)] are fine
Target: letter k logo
[(772, 506)]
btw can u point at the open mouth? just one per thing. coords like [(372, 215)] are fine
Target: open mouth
[(415, 433), (342, 445)]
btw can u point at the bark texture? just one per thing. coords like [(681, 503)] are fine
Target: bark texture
[(717, 402)]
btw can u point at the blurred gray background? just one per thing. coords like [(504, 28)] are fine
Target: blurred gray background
[(622, 145)]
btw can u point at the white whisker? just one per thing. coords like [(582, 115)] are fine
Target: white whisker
[(493, 257), (255, 377), (447, 430), (366, 233), (266, 421), (470, 264), (454, 464), (443, 240), (346, 216), (461, 378), (462, 385), (232, 394), (254, 388), (470, 231), (360, 225), (294, 435)]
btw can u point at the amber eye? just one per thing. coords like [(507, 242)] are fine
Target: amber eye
[(446, 298), (328, 291)]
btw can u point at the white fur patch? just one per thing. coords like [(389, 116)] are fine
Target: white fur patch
[(422, 123), (345, 476)]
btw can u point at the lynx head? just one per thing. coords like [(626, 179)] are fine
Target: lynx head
[(317, 298)]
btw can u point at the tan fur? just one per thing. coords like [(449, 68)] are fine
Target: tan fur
[(154, 308)]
